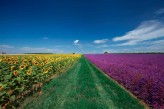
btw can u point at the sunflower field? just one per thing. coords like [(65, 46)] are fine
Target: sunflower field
[(21, 75)]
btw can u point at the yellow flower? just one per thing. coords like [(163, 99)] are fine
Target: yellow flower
[(12, 67), (24, 61), (30, 67), (42, 64), (15, 72), (15, 62), (29, 72), (36, 63), (8, 59), (10, 62), (1, 87), (46, 71), (22, 67)]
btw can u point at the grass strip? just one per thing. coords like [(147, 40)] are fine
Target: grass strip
[(83, 87)]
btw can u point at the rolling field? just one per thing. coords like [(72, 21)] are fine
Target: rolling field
[(83, 87), (77, 82), (22, 75), (142, 74)]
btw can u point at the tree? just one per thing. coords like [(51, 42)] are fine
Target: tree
[(2, 53), (105, 52)]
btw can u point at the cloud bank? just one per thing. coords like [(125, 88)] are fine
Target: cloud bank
[(147, 30), (6, 46), (100, 41), (39, 50)]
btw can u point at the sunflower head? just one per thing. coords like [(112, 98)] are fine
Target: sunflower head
[(12, 67), (46, 62), (8, 59), (15, 72), (29, 72), (24, 61), (15, 62), (22, 67), (1, 87), (10, 62), (42, 64), (35, 63), (46, 71)]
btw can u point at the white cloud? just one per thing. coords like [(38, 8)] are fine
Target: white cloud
[(157, 45), (147, 30), (161, 42), (160, 11), (149, 46), (100, 41), (58, 46), (98, 46), (152, 48), (45, 38), (102, 46), (40, 50), (62, 46), (6, 46), (76, 42), (89, 45)]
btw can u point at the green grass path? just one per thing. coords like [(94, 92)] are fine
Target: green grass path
[(82, 87)]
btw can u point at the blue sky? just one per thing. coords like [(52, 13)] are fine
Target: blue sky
[(81, 26)]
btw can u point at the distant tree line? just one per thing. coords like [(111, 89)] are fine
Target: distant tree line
[(2, 53), (37, 53), (140, 53)]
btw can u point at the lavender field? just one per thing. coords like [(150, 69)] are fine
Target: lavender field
[(142, 74)]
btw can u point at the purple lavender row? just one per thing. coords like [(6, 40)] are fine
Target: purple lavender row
[(142, 74)]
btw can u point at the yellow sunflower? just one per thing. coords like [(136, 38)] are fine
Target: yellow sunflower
[(15, 62), (24, 61), (35, 63), (8, 59), (22, 67), (42, 64), (29, 72), (46, 71), (1, 87), (15, 72), (12, 67), (10, 62)]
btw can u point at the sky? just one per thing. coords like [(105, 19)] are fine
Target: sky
[(81, 26)]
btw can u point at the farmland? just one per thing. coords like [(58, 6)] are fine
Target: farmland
[(142, 74), (74, 81), (25, 74), (83, 87)]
